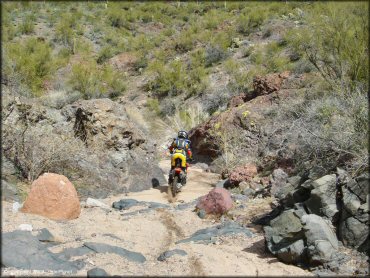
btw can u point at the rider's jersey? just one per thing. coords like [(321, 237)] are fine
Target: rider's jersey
[(180, 145)]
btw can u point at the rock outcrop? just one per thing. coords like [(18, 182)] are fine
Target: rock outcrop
[(314, 214), (244, 173), (107, 152), (53, 196), (264, 85)]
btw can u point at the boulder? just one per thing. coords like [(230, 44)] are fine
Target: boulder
[(321, 240), (354, 233), (217, 201), (53, 196), (285, 236), (323, 199), (243, 173)]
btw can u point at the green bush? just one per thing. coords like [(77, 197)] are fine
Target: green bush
[(27, 26), (105, 53), (248, 23), (335, 41), (32, 62), (93, 81), (176, 78)]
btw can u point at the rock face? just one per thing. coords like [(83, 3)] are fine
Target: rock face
[(268, 84), (53, 196), (217, 201), (244, 173), (109, 151)]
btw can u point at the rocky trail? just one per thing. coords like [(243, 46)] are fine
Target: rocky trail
[(150, 236)]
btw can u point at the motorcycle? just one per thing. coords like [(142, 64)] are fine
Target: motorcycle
[(178, 178)]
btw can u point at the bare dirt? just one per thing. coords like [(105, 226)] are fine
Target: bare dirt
[(153, 232)]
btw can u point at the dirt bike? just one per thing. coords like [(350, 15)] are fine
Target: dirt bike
[(178, 178)]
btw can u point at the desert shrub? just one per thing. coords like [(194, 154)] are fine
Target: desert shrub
[(153, 105), (65, 34), (303, 66), (241, 77), (213, 55), (184, 41), (27, 25), (93, 81), (247, 51), (328, 129), (59, 99), (105, 53), (176, 78), (31, 61), (216, 100), (116, 18), (248, 23), (35, 150), (335, 41), (186, 118)]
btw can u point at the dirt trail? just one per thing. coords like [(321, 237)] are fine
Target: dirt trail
[(152, 232)]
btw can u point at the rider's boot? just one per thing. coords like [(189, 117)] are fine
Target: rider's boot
[(170, 177), (183, 180)]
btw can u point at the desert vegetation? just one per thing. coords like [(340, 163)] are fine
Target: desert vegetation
[(59, 52)]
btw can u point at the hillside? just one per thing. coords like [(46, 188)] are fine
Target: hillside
[(273, 95)]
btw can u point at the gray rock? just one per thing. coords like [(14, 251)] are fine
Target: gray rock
[(294, 180), (154, 205), (353, 233), (202, 214), (125, 204), (75, 252), (167, 254), (208, 235), (45, 236), (323, 198), (322, 242), (287, 224), (307, 184), (351, 203), (316, 172), (239, 197), (97, 272), (360, 186), (9, 191), (278, 181), (106, 248), (249, 192), (343, 176), (292, 253), (223, 183), (187, 205), (22, 250)]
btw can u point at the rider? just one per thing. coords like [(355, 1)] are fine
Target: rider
[(180, 148)]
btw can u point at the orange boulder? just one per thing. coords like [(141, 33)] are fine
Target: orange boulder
[(54, 197)]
